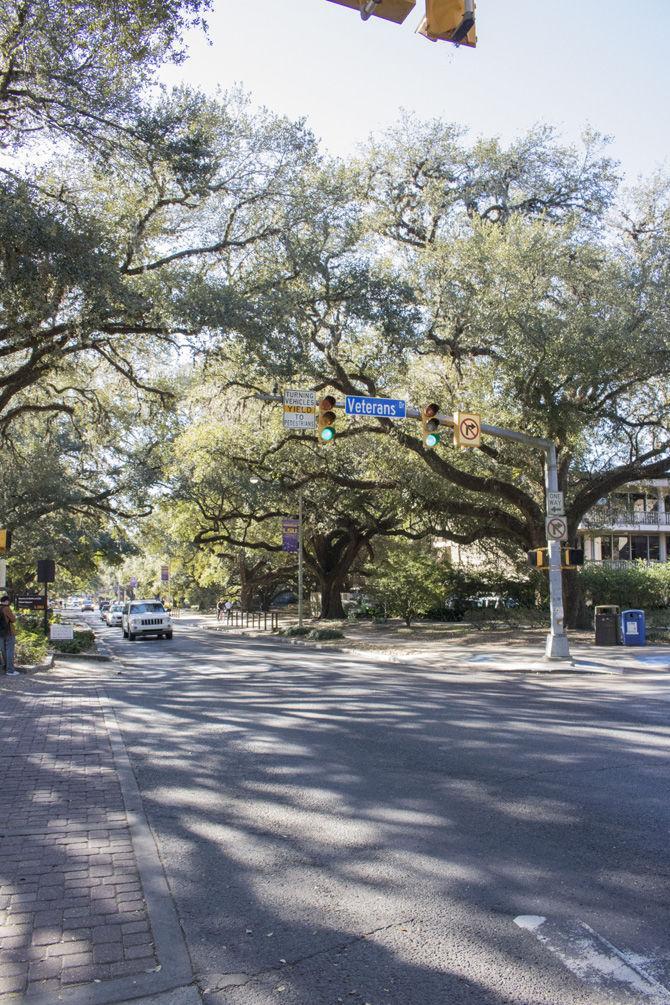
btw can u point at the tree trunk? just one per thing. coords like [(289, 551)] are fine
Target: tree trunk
[(331, 597), (577, 614)]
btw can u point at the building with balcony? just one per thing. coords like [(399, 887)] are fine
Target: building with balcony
[(632, 523)]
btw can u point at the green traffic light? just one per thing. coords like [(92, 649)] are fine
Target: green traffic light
[(327, 434), (432, 440)]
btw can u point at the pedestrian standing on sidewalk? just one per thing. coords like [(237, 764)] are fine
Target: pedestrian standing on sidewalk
[(7, 636)]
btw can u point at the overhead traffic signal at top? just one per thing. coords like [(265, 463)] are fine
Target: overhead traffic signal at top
[(449, 20), (390, 10), (430, 425), (326, 419)]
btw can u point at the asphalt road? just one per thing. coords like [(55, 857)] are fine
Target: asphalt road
[(335, 830)]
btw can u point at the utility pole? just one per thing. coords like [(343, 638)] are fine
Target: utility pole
[(300, 561)]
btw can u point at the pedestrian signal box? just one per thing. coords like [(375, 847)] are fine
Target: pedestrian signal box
[(390, 10), (571, 558), (451, 21)]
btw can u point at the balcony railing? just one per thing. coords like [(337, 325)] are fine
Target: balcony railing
[(619, 563), (603, 518)]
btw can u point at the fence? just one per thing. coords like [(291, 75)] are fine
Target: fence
[(252, 619)]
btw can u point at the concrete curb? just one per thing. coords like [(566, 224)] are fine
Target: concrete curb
[(98, 657), (37, 667), (271, 637)]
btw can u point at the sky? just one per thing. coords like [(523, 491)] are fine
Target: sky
[(572, 63)]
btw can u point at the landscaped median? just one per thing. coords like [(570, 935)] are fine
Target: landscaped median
[(512, 642), (35, 651)]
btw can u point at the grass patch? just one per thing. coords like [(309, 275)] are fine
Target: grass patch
[(324, 634), (83, 642)]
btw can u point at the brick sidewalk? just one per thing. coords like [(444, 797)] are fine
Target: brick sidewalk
[(72, 909)]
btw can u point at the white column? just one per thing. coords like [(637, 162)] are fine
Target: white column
[(662, 534)]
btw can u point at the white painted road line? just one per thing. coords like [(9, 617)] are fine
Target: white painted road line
[(593, 959)]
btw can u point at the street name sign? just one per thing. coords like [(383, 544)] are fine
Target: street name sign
[(299, 409), (375, 408), (30, 603), (557, 528), (555, 504), (467, 429)]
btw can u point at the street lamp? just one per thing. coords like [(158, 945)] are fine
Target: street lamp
[(255, 481)]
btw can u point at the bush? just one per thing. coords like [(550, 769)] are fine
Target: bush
[(31, 646), (636, 585), (323, 634), (294, 630), (83, 641), (408, 583)]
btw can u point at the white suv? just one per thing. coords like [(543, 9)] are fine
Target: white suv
[(145, 617), (114, 615)]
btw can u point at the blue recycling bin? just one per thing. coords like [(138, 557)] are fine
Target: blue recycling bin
[(633, 628)]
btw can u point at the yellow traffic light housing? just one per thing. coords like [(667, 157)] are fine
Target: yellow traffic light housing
[(390, 10), (451, 21), (5, 539), (430, 425), (326, 419)]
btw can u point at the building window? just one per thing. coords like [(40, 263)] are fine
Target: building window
[(605, 548), (654, 547), (639, 546), (621, 548)]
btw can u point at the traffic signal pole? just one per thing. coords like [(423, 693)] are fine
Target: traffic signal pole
[(556, 647), (300, 568)]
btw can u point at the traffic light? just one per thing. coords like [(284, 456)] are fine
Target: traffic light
[(451, 21), (430, 425), (5, 539), (538, 558), (326, 419), (390, 10), (572, 557)]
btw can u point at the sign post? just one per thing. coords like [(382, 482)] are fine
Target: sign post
[(300, 569), (46, 573)]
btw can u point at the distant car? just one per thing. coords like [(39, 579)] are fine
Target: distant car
[(145, 617), (104, 607), (284, 598), (114, 615), (88, 605)]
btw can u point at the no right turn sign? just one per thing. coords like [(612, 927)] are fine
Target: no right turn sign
[(557, 528)]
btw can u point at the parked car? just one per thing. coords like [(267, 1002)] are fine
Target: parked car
[(113, 616), (145, 617)]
